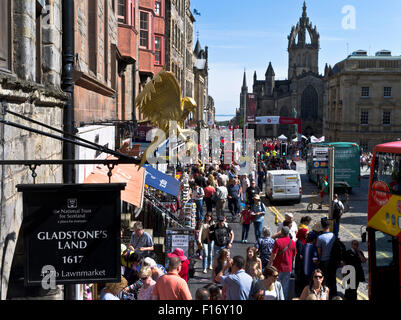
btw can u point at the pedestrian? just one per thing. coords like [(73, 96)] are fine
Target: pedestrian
[(255, 271), (131, 264), (293, 165), (233, 196), (251, 256), (288, 218), (324, 188), (251, 191), (258, 211), (245, 220), (141, 241), (184, 270), (206, 243), (309, 258), (299, 278), (268, 288), (222, 234), (338, 210), (198, 195), (283, 253), (214, 291), (237, 284), (324, 245), (265, 247), (354, 257), (316, 287), (261, 178), (245, 183), (222, 259), (171, 286), (202, 294), (304, 223), (221, 198), (145, 292), (209, 192), (113, 290), (157, 269)]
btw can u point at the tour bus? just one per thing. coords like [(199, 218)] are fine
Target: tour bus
[(283, 185), (384, 223), (347, 170)]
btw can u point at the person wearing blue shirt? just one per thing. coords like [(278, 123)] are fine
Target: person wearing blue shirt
[(234, 190), (309, 257), (258, 211), (238, 284)]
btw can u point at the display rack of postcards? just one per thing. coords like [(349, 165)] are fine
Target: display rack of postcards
[(190, 214)]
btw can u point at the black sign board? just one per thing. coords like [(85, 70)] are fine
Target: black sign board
[(74, 228), (183, 238)]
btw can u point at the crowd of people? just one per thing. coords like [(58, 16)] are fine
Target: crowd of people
[(310, 256)]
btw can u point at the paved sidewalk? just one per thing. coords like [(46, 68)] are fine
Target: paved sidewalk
[(200, 279)]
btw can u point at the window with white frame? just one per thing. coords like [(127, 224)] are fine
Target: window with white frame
[(386, 117), (157, 8), (365, 92), (387, 92), (121, 11), (144, 29), (158, 52), (364, 117)]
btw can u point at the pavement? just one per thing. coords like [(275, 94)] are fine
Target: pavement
[(349, 229), (238, 248)]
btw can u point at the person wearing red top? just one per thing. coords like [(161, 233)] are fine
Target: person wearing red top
[(246, 219), (209, 192), (282, 257), (178, 252)]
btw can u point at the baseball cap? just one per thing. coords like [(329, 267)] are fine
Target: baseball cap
[(221, 218)]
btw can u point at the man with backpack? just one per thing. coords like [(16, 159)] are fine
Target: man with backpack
[(222, 235), (338, 210), (330, 254)]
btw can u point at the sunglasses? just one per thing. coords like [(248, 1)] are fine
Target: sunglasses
[(143, 279), (318, 277), (275, 276)]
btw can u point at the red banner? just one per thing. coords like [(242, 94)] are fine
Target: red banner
[(251, 108)]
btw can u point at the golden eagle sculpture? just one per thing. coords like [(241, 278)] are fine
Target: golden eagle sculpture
[(160, 101)]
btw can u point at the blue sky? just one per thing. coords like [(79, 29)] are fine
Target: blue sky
[(247, 34)]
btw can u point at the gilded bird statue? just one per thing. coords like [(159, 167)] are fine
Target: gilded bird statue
[(160, 101)]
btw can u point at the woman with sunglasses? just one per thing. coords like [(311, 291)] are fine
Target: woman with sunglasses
[(145, 275), (268, 288), (317, 287), (205, 243)]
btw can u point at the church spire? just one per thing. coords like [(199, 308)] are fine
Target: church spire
[(244, 80), (270, 70), (304, 10)]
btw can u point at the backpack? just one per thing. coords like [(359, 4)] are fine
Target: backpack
[(336, 210), (221, 236), (337, 253)]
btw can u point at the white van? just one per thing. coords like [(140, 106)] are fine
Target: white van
[(283, 185)]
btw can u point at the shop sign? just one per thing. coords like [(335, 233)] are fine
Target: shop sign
[(73, 230)]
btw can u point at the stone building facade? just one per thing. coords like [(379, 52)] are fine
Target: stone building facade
[(300, 95), (201, 85), (179, 44), (363, 98), (30, 77)]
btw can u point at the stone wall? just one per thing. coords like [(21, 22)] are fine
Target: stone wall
[(42, 102)]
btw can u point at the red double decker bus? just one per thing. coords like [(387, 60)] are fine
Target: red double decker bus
[(384, 223)]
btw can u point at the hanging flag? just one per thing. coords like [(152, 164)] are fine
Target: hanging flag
[(196, 12), (161, 181)]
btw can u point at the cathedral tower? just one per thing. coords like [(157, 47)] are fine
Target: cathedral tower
[(303, 48)]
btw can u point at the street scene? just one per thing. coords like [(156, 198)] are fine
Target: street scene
[(182, 150)]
